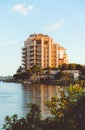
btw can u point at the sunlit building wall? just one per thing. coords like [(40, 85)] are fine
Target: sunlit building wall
[(42, 51)]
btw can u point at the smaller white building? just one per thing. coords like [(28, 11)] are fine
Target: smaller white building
[(75, 73)]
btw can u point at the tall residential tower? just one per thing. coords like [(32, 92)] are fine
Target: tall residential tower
[(42, 51)]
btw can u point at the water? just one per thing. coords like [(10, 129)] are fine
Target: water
[(14, 98)]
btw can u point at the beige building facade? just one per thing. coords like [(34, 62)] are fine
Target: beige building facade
[(42, 51)]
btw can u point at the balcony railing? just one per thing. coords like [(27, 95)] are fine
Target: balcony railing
[(24, 64), (24, 48), (24, 56), (24, 60), (23, 52)]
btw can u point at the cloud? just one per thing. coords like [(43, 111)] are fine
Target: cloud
[(21, 8), (55, 26)]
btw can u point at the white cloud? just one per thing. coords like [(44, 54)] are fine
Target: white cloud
[(55, 26), (23, 9)]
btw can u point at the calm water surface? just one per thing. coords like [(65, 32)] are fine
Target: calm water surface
[(14, 98)]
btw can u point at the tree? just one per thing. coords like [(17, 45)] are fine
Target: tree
[(64, 67), (64, 107), (59, 75), (22, 76), (20, 69), (63, 76), (79, 67), (48, 72), (82, 73), (34, 116), (31, 122), (67, 113), (71, 66), (36, 69)]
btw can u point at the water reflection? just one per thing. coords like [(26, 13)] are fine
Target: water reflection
[(15, 97), (39, 94)]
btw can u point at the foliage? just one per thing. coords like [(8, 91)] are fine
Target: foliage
[(36, 69), (63, 100), (67, 108), (26, 74), (64, 66), (34, 116), (23, 75), (48, 72), (67, 113), (31, 122), (82, 74), (71, 66), (63, 76), (79, 67), (20, 69)]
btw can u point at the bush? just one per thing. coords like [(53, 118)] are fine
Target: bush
[(67, 113)]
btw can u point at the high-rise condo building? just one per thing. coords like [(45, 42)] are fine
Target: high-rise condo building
[(42, 51)]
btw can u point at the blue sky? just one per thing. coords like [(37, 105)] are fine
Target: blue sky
[(63, 20)]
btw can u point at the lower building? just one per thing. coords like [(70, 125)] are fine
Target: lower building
[(40, 50)]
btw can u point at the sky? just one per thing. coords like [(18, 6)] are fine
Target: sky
[(62, 20)]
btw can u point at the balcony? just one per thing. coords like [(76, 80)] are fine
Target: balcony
[(24, 60), (38, 53), (24, 56), (38, 57), (24, 64), (38, 61), (23, 52), (31, 54), (31, 62), (31, 48), (24, 48), (32, 57)]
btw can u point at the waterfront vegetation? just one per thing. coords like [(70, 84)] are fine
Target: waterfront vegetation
[(20, 74), (63, 75), (67, 108), (67, 112)]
